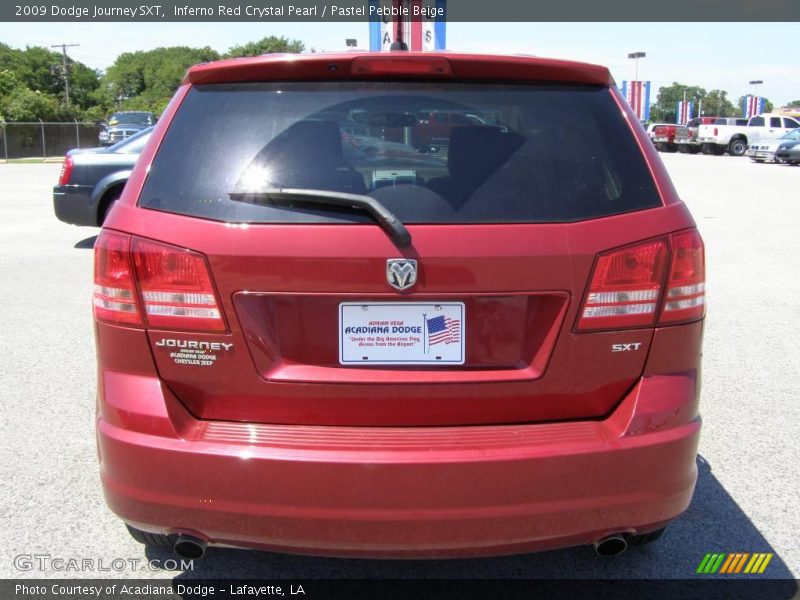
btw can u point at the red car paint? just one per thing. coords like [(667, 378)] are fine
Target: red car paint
[(547, 436)]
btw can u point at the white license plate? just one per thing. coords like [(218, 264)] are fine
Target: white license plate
[(401, 333)]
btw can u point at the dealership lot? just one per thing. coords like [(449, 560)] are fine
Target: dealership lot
[(746, 495)]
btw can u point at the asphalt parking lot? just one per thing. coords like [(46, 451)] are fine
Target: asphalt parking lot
[(746, 498)]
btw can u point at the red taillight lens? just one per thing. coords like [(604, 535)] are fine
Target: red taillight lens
[(716, 132), (114, 291), (685, 292), (66, 170), (176, 288), (625, 287)]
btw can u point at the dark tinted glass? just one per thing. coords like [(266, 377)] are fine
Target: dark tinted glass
[(133, 144), (508, 153), (756, 122)]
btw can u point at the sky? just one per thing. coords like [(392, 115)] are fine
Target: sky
[(712, 55)]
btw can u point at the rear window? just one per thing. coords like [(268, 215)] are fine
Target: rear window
[(506, 153)]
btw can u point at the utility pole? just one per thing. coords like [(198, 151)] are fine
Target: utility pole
[(65, 67)]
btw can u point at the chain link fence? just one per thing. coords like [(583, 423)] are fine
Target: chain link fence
[(42, 139)]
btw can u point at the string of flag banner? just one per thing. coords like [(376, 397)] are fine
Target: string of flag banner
[(426, 33), (752, 106), (684, 112), (637, 93)]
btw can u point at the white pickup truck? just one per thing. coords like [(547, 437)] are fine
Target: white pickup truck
[(734, 135)]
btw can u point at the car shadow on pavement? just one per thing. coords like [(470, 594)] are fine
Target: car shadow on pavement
[(713, 523), (86, 244)]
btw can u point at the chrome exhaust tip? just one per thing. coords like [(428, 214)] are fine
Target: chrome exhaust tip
[(612, 545), (189, 547)]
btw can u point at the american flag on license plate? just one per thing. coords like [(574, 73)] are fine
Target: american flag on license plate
[(443, 330)]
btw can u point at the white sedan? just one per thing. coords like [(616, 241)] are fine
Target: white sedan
[(764, 150)]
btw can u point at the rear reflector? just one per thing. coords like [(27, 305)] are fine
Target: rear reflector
[(685, 297), (114, 291), (176, 288), (625, 287)]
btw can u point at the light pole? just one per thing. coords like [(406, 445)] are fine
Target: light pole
[(636, 56)]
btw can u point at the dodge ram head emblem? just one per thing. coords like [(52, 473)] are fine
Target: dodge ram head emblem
[(401, 273)]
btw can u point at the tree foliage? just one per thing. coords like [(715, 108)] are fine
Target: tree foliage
[(794, 104), (714, 103), (32, 85), (267, 45), (665, 108), (146, 80)]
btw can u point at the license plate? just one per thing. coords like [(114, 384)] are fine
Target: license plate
[(401, 333)]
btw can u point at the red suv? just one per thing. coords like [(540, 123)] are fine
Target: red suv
[(335, 344)]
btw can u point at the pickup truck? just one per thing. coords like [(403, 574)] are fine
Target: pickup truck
[(686, 135), (734, 137), (664, 138)]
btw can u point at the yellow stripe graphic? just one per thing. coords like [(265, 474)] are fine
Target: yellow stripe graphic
[(758, 562), (765, 563), (749, 568)]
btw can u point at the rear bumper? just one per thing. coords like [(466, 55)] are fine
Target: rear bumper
[(73, 204), (395, 492)]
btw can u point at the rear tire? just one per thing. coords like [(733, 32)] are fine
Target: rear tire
[(693, 149), (737, 147), (683, 149), (155, 540)]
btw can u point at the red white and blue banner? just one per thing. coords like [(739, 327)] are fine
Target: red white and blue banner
[(422, 34), (684, 112), (752, 106), (637, 93)]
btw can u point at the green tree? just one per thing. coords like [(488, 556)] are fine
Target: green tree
[(267, 45), (665, 108), (793, 104), (146, 80), (24, 104), (716, 103)]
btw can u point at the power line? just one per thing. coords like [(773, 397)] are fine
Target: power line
[(65, 67)]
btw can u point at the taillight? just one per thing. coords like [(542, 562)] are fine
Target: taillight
[(625, 287), (66, 170), (175, 287), (685, 292), (628, 285), (716, 132), (114, 291)]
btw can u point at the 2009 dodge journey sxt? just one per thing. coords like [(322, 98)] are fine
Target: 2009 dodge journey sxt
[(398, 305)]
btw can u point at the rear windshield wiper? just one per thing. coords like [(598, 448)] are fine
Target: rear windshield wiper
[(385, 218)]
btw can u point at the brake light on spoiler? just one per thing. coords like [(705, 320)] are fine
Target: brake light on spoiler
[(630, 286), (140, 282), (408, 66)]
